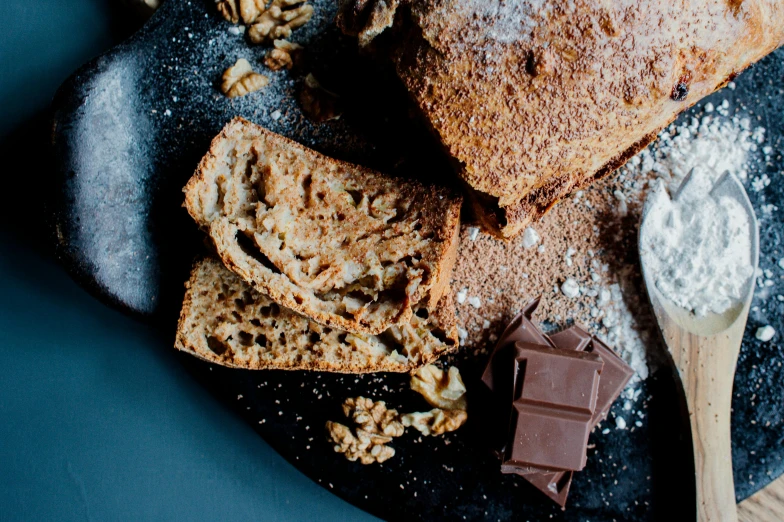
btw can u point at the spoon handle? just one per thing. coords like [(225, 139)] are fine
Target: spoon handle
[(707, 368)]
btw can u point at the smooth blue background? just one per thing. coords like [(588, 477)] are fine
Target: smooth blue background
[(98, 421)]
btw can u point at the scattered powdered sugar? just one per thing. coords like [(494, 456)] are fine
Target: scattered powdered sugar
[(509, 21), (717, 143), (697, 245)]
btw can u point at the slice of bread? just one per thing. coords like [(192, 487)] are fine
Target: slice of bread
[(347, 247), (227, 322)]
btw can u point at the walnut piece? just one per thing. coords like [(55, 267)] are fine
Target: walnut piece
[(317, 103), (440, 389), (376, 425), (245, 11), (373, 417), (282, 56), (435, 421), (367, 19), (239, 80), (279, 19), (365, 447)]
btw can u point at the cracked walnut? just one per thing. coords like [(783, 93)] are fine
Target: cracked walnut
[(435, 421), (239, 80), (376, 425), (279, 20), (440, 389), (282, 56)]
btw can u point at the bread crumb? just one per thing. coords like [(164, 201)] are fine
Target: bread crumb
[(765, 333), (570, 288), (530, 237)]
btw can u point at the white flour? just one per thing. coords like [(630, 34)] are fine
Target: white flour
[(717, 141), (698, 246)]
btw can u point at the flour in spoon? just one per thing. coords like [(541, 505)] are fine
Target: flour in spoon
[(697, 246)]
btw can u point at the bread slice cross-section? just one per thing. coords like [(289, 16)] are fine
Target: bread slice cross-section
[(226, 321), (345, 246)]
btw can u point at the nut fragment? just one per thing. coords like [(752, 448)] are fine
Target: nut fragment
[(246, 11), (279, 19), (282, 56), (376, 425), (440, 389), (373, 417), (366, 19), (435, 421), (319, 104), (365, 447), (239, 80)]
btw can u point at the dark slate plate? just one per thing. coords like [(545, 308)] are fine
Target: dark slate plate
[(130, 127)]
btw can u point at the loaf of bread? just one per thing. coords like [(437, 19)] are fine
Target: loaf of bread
[(227, 322), (536, 99), (349, 248)]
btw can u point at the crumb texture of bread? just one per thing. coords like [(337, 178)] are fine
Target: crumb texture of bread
[(342, 245), (534, 100), (227, 322)]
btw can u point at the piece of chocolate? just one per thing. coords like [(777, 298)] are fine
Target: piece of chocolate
[(615, 374), (554, 402), (520, 329), (498, 376), (554, 484)]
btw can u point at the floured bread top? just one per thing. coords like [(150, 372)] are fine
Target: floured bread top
[(534, 99), (345, 246), (225, 321)]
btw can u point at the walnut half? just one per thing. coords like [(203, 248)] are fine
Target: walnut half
[(435, 421), (239, 80), (282, 56), (363, 446), (366, 19), (440, 389), (279, 19), (376, 425), (245, 11), (373, 417)]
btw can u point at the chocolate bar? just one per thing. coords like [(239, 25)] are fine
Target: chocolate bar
[(615, 374), (554, 402)]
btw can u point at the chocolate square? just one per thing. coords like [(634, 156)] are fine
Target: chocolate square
[(554, 402)]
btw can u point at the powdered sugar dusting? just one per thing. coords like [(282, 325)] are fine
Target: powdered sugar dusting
[(507, 21)]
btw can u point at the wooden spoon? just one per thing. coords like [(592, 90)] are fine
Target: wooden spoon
[(705, 351)]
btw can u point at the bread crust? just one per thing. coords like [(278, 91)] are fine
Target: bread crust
[(534, 100), (418, 235)]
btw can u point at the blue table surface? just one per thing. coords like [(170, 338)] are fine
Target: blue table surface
[(98, 420)]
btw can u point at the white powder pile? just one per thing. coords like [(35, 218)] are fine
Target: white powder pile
[(697, 246), (716, 142)]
